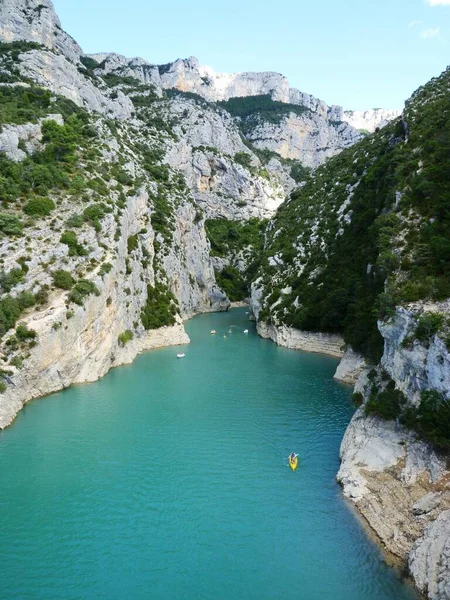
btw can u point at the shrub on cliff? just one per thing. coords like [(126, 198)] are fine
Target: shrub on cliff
[(10, 224), (63, 279), (125, 337), (75, 249), (81, 290), (39, 207), (387, 404), (160, 308)]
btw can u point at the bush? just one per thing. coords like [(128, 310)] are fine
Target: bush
[(431, 419), (70, 239), (125, 337), (81, 290), (105, 268), (244, 159), (24, 334), (132, 243), (9, 313), (386, 404), (357, 398), (11, 279), (63, 279), (160, 308), (10, 225), (428, 324), (39, 207)]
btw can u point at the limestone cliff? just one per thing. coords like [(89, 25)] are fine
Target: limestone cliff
[(312, 137), (106, 186), (36, 22), (369, 120)]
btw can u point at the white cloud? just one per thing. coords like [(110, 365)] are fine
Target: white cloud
[(438, 2), (426, 34), (414, 23)]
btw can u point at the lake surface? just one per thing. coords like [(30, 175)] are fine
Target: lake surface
[(169, 479)]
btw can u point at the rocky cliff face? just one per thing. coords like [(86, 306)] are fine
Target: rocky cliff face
[(322, 131), (36, 22), (108, 185), (369, 120)]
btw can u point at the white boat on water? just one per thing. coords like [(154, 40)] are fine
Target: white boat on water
[(181, 355), (212, 332), (245, 330)]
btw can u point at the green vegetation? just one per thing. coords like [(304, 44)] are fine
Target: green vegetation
[(232, 282), (125, 337), (370, 229), (386, 404), (75, 249), (39, 207), (244, 159), (232, 236), (431, 419), (230, 239), (428, 324), (63, 279), (263, 106), (10, 311), (24, 334), (162, 217), (133, 243), (11, 279), (10, 224), (81, 290), (160, 308)]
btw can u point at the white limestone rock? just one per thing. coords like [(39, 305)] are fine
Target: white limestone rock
[(369, 444), (36, 21), (288, 337), (369, 120), (415, 368), (426, 504), (350, 367), (30, 134), (429, 561), (308, 137), (56, 73)]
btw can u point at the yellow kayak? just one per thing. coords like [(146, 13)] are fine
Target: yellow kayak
[(293, 463)]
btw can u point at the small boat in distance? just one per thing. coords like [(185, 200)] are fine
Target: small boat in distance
[(181, 355), (245, 330), (293, 461), (213, 331)]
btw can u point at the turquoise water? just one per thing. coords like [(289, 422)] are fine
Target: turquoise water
[(168, 479)]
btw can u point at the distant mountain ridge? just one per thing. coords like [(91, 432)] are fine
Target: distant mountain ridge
[(188, 75)]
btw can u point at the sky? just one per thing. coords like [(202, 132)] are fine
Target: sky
[(357, 53)]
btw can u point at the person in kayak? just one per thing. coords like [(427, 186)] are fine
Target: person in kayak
[(292, 457)]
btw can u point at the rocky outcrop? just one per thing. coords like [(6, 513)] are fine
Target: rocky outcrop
[(30, 134), (82, 343), (369, 120), (288, 337), (415, 366), (308, 137), (204, 152), (321, 132), (350, 367), (62, 77), (398, 483), (36, 21), (429, 560)]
